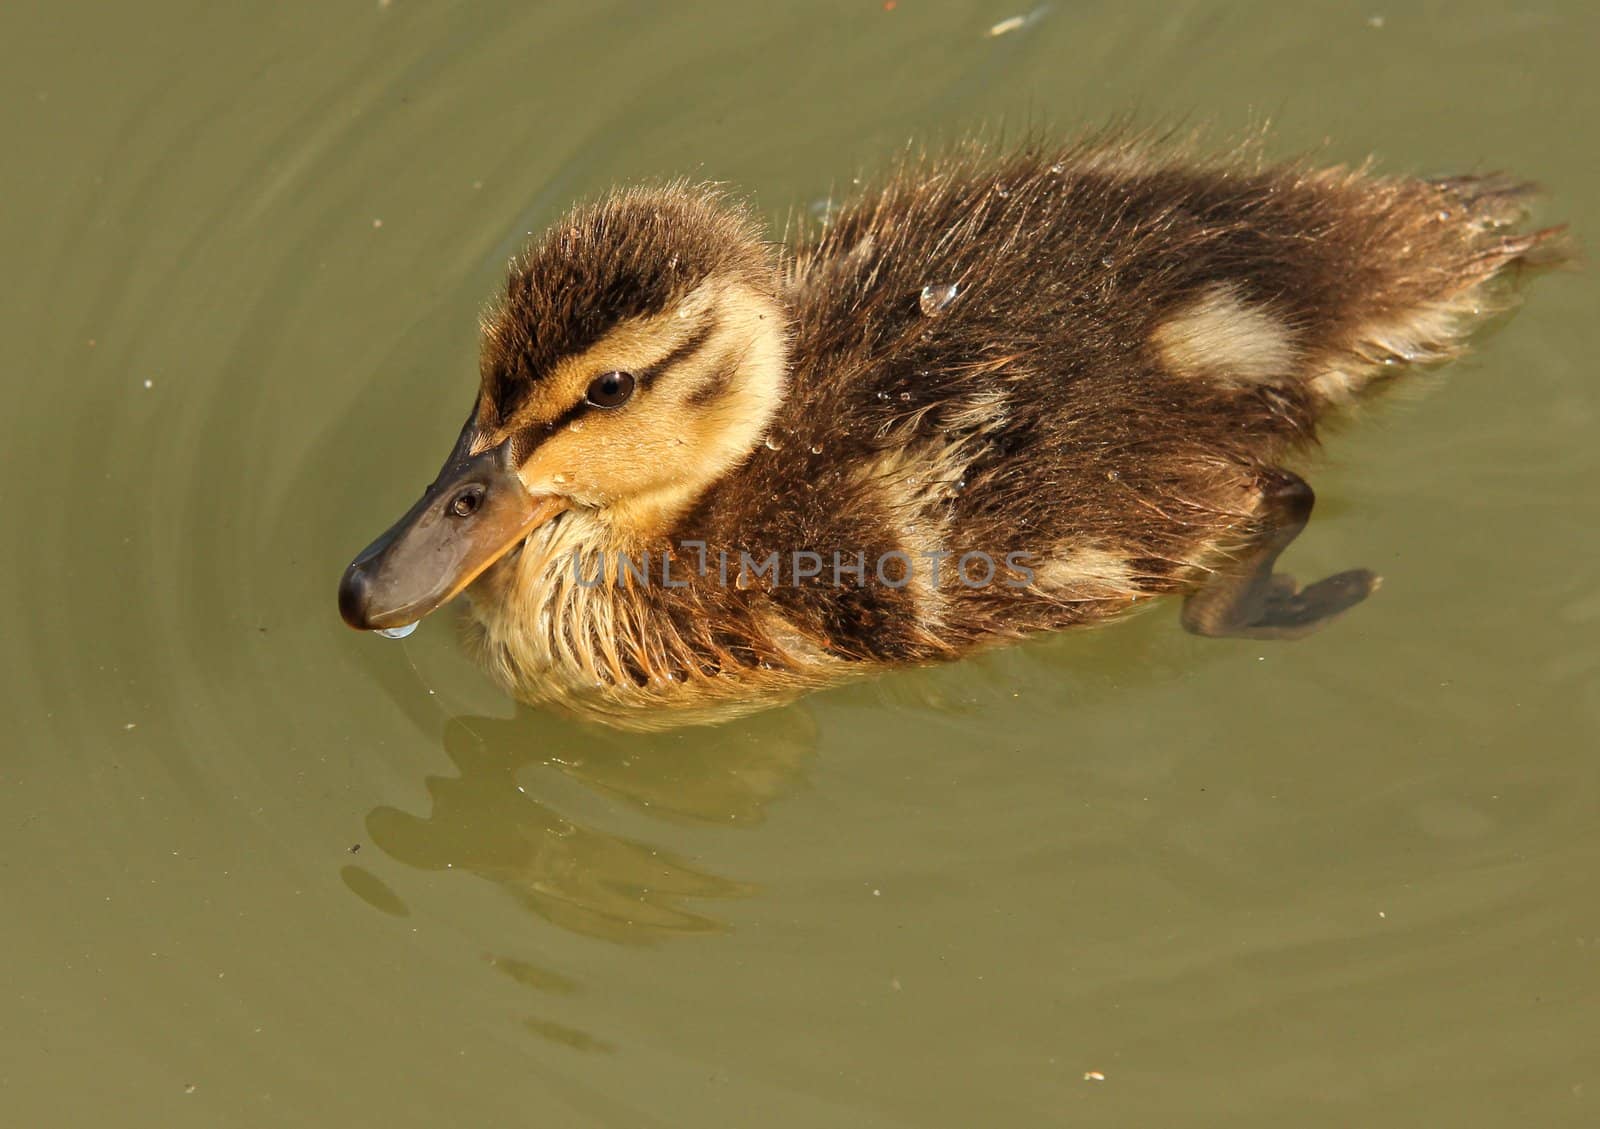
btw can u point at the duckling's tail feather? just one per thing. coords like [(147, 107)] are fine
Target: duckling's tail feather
[(1453, 260)]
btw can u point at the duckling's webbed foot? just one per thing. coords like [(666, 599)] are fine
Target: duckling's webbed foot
[(1247, 600)]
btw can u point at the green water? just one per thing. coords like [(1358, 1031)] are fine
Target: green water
[(259, 870)]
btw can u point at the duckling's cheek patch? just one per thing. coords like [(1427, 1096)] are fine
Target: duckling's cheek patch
[(1224, 338)]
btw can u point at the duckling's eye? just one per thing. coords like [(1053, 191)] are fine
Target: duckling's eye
[(610, 390), (466, 503)]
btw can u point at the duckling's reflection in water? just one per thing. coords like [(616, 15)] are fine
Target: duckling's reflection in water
[(488, 821), (580, 878)]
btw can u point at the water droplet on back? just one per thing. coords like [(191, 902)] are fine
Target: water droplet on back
[(935, 297)]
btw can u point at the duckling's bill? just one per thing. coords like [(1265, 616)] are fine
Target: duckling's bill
[(475, 512)]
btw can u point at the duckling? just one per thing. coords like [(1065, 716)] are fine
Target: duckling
[(1001, 392)]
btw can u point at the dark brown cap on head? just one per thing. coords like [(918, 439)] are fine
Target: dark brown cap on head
[(632, 254)]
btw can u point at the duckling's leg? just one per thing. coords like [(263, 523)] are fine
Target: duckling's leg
[(1247, 600)]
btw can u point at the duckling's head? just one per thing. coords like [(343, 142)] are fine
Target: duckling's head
[(636, 356)]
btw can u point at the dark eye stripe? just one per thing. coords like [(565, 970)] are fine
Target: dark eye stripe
[(691, 345)]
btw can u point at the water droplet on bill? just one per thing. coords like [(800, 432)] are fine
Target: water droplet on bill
[(397, 632)]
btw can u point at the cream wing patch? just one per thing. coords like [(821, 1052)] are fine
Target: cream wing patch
[(1088, 572), (1225, 338)]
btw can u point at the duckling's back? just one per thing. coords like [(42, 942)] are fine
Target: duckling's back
[(1094, 357), (1215, 272)]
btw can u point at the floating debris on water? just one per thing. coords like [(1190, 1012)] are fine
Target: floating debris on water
[(935, 298), (1017, 23)]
